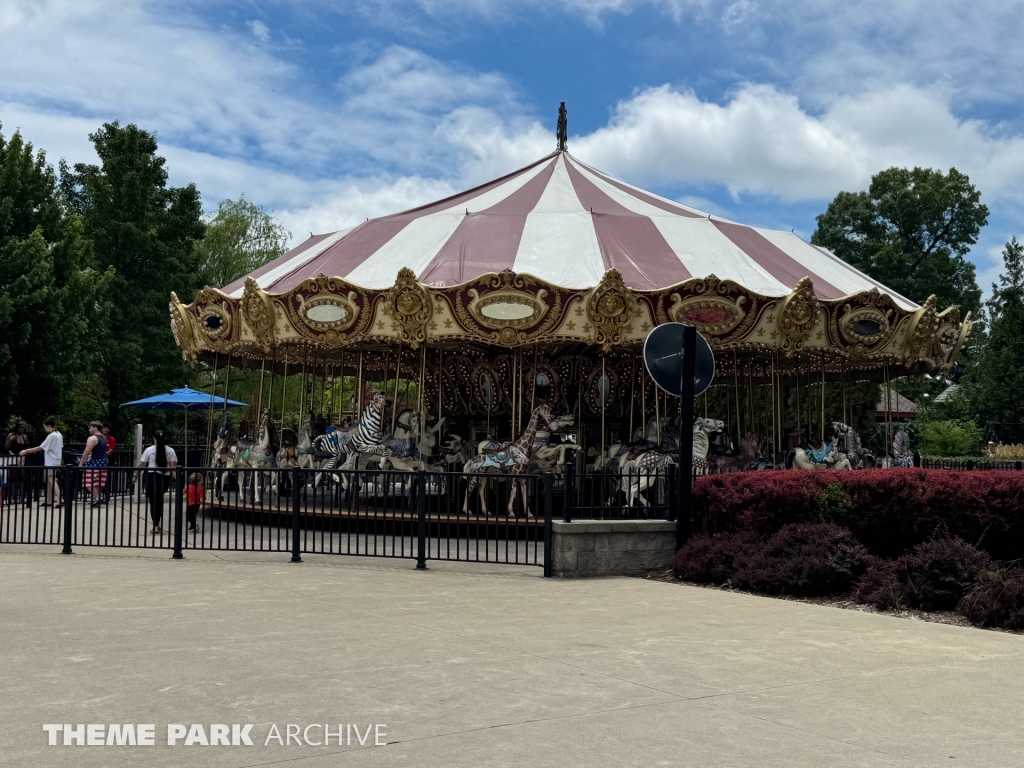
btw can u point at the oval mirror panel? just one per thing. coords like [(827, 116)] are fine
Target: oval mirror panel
[(213, 322), (507, 310), (865, 326), (543, 380), (326, 313)]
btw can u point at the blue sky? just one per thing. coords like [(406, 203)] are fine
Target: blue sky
[(330, 112)]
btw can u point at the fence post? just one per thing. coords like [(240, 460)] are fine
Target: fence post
[(421, 520), (296, 503), (549, 493), (670, 492), (970, 465), (179, 491), (69, 508), (570, 492)]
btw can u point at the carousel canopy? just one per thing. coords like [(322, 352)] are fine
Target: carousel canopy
[(567, 224), (562, 256)]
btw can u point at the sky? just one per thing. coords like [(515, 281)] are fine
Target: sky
[(327, 113)]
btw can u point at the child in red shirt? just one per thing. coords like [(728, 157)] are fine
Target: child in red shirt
[(193, 498)]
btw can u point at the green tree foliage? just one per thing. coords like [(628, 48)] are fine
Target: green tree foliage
[(148, 233), (49, 289), (950, 438), (996, 380), (240, 237), (910, 231)]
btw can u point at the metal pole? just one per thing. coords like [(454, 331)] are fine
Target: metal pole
[(69, 508), (179, 492), (296, 544), (421, 520), (570, 492), (549, 489), (686, 446)]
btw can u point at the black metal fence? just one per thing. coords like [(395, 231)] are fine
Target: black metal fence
[(970, 465), (421, 516)]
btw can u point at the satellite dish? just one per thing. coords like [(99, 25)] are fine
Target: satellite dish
[(663, 358)]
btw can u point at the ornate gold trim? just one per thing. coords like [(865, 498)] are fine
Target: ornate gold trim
[(610, 309), (410, 307), (258, 311)]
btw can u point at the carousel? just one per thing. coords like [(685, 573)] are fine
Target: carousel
[(535, 292)]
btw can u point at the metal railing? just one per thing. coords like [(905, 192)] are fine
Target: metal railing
[(422, 515), (971, 465)]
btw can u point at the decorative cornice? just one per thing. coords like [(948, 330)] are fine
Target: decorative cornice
[(865, 329)]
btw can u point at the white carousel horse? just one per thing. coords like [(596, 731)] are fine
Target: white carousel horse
[(255, 456), (640, 470), (902, 456), (825, 456), (456, 452), (222, 454), (287, 458), (507, 458), (304, 447)]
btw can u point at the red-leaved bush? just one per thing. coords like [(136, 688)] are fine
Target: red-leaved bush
[(714, 559), (804, 559), (889, 511), (997, 600), (934, 577)]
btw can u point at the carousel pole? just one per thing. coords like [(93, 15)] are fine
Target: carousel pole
[(750, 394), (398, 373), (284, 391), (302, 390), (273, 375), (323, 384), (440, 361), (823, 397), (799, 418), (533, 382), (736, 393), (341, 394), (603, 404), (846, 418), (359, 390), (419, 387), (632, 393), (209, 415), (263, 373)]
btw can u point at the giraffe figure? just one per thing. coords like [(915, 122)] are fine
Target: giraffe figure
[(506, 458)]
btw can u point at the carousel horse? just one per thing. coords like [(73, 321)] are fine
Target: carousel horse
[(287, 458), (304, 453), (456, 452), (902, 456), (851, 445), (412, 447), (364, 439), (258, 455), (222, 454), (825, 456), (640, 468), (546, 456), (507, 458)]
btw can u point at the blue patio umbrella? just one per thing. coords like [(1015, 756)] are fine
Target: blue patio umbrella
[(184, 399)]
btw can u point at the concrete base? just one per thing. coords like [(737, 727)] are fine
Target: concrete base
[(611, 547)]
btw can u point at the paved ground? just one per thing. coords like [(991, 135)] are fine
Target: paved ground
[(482, 666)]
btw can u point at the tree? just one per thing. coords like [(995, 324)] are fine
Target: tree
[(996, 380), (240, 237), (49, 288), (148, 233), (910, 231)]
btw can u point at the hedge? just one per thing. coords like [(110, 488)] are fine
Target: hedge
[(890, 511)]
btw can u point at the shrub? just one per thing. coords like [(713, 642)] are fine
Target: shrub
[(713, 559), (880, 587), (890, 511), (950, 438), (805, 559), (997, 600), (939, 573)]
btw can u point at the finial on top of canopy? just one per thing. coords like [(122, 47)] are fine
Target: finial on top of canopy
[(562, 133)]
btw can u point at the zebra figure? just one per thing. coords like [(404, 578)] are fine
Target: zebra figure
[(365, 438)]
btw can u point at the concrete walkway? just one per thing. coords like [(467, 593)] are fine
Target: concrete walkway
[(481, 666)]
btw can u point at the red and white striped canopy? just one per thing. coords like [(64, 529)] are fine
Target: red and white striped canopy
[(566, 223)]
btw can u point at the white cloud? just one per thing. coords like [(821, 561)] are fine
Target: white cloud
[(260, 30), (761, 141)]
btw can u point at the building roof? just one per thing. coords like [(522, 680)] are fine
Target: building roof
[(899, 406), (566, 223), (943, 397)]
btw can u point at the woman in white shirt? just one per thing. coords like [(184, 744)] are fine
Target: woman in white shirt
[(159, 459)]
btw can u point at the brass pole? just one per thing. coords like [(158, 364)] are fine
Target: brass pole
[(284, 391), (603, 404), (398, 373), (263, 372), (359, 390), (823, 397), (736, 393)]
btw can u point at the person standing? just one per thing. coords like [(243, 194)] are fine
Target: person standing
[(52, 449), (158, 459), (18, 481), (17, 440), (111, 447), (94, 462), (194, 495)]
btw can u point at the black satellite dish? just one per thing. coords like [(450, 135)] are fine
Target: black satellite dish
[(663, 358)]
